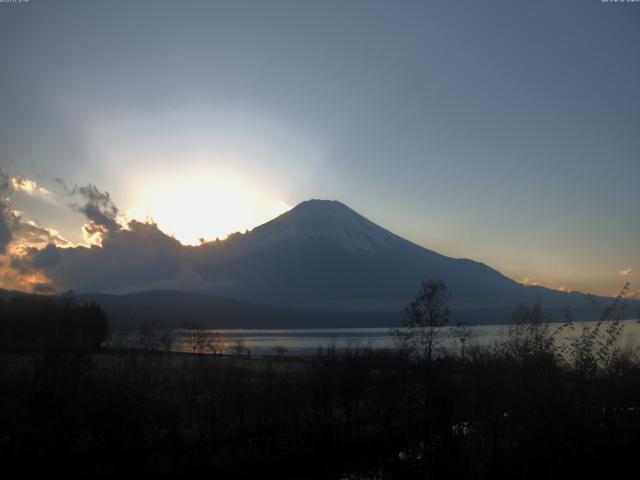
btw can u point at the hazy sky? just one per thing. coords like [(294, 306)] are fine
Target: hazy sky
[(503, 131)]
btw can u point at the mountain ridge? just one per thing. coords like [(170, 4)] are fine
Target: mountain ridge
[(340, 248)]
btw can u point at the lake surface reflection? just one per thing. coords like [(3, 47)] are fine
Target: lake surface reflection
[(308, 341)]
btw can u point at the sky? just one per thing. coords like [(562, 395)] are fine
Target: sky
[(502, 131)]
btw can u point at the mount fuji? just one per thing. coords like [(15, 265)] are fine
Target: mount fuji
[(324, 255)]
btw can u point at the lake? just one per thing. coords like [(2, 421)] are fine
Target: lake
[(307, 341)]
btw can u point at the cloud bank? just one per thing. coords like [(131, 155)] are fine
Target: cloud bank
[(127, 257), (19, 236), (121, 255), (29, 251)]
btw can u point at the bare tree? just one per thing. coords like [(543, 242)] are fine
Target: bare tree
[(167, 340), (421, 331), (280, 350), (239, 348), (528, 336), (147, 338), (195, 338), (216, 344)]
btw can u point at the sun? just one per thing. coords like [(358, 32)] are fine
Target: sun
[(204, 206)]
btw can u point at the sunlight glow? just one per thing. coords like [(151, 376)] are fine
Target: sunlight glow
[(204, 206), (91, 235), (30, 187)]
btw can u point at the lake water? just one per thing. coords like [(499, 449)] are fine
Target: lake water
[(307, 341)]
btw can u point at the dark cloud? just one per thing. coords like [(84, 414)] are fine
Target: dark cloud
[(46, 258), (128, 259), (5, 231), (95, 204), (99, 208), (99, 217), (22, 265)]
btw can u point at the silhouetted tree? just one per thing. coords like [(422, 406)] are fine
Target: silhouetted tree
[(426, 315), (595, 350), (529, 335), (34, 323), (195, 338)]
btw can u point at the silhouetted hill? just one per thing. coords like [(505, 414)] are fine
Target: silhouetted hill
[(177, 309), (6, 294), (173, 309)]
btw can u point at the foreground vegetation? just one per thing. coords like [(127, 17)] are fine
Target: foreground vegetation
[(525, 408)]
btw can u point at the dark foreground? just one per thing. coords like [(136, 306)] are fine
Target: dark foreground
[(525, 408), (362, 414)]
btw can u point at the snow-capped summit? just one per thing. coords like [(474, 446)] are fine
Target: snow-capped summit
[(328, 220)]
